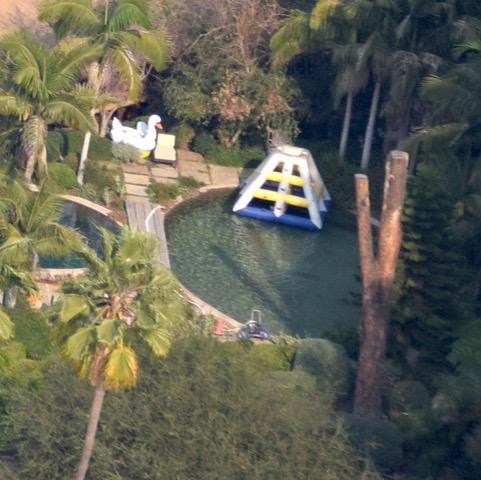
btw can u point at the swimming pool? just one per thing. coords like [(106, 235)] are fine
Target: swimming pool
[(303, 282)]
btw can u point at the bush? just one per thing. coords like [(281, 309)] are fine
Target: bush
[(203, 412), (184, 134), (272, 357), (68, 144), (378, 439), (161, 192), (100, 181), (62, 175), (125, 153), (327, 362), (233, 156), (32, 331)]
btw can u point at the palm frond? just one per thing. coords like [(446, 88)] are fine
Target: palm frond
[(127, 13), (121, 368), (73, 306), (110, 331), (6, 326), (67, 64), (124, 63), (158, 340), (70, 16), (58, 240), (69, 111), (153, 46), (322, 12), (27, 60), (81, 345), (291, 38), (13, 104)]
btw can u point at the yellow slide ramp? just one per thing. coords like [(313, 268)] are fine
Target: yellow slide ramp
[(292, 179), (272, 196)]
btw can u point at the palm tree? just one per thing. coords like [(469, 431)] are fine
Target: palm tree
[(325, 27), (40, 88), (29, 227), (121, 31), (122, 301)]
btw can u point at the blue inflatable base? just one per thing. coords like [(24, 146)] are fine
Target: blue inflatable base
[(286, 219)]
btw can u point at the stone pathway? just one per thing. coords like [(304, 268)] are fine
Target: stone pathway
[(189, 164)]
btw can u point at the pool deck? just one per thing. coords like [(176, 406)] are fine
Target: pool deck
[(147, 217), (137, 177)]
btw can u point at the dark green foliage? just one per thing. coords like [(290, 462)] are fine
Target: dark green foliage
[(32, 331), (162, 192), (68, 144), (101, 182), (62, 175), (327, 362), (266, 356), (232, 156), (203, 412), (379, 439), (431, 272), (188, 183), (184, 134)]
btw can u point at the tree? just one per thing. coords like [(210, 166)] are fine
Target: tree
[(325, 27), (124, 300), (220, 77), (40, 88), (377, 272), (29, 227), (120, 31), (206, 411), (432, 272)]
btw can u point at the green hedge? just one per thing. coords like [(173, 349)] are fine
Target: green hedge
[(213, 152), (327, 362), (62, 175)]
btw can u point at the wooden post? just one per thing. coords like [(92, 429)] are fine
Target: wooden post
[(377, 273)]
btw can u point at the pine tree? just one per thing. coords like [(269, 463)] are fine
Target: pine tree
[(431, 273)]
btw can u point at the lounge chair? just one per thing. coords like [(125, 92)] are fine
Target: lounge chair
[(164, 151)]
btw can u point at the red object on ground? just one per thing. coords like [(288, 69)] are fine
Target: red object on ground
[(219, 327)]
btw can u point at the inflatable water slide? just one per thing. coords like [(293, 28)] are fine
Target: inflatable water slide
[(286, 188)]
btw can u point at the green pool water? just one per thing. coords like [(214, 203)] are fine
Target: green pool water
[(86, 221), (303, 282)]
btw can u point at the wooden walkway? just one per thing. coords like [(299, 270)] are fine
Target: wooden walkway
[(148, 217)]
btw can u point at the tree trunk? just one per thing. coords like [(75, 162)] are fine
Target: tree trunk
[(10, 297), (105, 116), (83, 158), (366, 149), (89, 441), (397, 128), (346, 126), (377, 278)]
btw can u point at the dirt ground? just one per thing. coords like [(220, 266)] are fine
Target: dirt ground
[(18, 14)]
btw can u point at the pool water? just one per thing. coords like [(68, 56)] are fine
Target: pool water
[(303, 282), (86, 221)]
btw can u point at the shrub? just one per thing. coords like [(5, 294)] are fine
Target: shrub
[(200, 413), (189, 183), (379, 439), (161, 192), (327, 362), (32, 330), (233, 156), (272, 357), (125, 153), (184, 134), (62, 175), (68, 144)]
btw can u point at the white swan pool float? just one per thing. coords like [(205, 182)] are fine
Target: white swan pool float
[(142, 137)]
